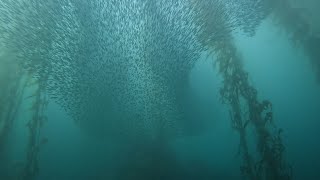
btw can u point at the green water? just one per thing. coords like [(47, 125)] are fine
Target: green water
[(169, 89)]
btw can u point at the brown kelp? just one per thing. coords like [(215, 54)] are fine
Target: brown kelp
[(12, 88), (246, 108), (34, 125), (11, 83), (299, 30)]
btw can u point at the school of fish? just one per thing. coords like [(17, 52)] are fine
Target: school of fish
[(120, 66)]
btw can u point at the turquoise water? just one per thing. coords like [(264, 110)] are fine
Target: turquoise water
[(134, 90)]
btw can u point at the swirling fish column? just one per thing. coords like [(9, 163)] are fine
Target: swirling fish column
[(145, 98)]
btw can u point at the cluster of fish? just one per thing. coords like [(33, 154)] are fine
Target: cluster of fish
[(118, 66)]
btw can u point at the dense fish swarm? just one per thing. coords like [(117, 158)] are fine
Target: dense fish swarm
[(121, 65)]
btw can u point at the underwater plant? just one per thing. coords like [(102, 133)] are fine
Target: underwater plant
[(10, 92), (241, 96), (34, 125), (246, 108), (12, 88), (302, 35)]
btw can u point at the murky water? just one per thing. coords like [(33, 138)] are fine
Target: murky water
[(170, 89)]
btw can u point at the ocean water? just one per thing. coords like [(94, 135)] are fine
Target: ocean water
[(166, 90)]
